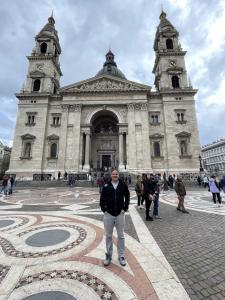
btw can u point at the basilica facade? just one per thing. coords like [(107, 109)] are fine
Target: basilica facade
[(106, 121)]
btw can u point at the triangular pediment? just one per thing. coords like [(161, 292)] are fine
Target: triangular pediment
[(28, 136), (183, 134), (104, 83), (156, 136), (53, 137), (37, 74)]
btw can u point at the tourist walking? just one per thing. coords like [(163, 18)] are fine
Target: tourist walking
[(138, 190), (214, 188), (100, 183), (114, 202), (222, 183), (5, 185), (170, 180), (59, 175), (205, 181), (156, 200), (181, 193)]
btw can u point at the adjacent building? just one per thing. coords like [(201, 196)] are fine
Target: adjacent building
[(213, 157), (5, 153), (106, 121)]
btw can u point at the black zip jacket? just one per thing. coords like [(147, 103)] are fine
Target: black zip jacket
[(114, 200)]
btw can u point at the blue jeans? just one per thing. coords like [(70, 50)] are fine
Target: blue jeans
[(156, 205)]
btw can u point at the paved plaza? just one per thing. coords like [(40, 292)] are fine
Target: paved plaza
[(52, 246)]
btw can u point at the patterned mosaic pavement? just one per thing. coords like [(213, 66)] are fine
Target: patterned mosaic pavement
[(52, 246)]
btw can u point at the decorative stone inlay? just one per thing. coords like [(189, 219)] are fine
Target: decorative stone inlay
[(102, 289), (130, 106), (24, 221), (3, 272), (47, 238), (56, 295), (4, 223), (10, 250)]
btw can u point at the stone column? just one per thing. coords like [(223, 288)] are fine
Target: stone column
[(76, 111), (131, 143), (63, 138), (145, 138), (121, 161), (87, 152)]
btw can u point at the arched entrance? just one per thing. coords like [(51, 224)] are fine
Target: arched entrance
[(104, 153)]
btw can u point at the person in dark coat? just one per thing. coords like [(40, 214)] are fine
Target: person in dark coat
[(114, 202), (181, 193)]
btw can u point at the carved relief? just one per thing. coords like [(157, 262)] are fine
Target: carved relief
[(130, 107), (75, 107), (106, 85), (65, 107)]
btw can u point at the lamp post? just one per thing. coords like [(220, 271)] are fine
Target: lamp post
[(200, 162)]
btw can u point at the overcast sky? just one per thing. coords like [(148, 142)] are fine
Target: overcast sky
[(87, 28)]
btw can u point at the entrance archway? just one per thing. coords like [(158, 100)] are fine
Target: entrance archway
[(104, 141)]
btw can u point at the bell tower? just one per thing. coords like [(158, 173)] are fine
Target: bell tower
[(169, 68), (44, 68)]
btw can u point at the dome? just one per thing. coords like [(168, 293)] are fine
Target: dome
[(110, 67)]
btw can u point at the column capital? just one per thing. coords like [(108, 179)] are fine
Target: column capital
[(65, 107), (130, 106), (75, 107)]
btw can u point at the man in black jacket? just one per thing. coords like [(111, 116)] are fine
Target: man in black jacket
[(114, 202)]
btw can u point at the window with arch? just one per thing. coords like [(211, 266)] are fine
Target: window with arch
[(154, 118), (156, 147), (36, 85), (53, 145), (27, 145), (180, 116), (44, 47), (53, 150), (31, 118), (183, 147), (175, 82), (27, 150), (183, 139), (169, 44)]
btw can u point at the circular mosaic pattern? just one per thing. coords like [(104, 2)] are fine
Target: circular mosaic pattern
[(4, 223), (56, 295), (48, 238)]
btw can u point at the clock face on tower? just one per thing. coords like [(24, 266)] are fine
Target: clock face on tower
[(172, 63)]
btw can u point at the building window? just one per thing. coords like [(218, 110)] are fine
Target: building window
[(43, 48), (156, 147), (154, 118), (175, 82), (31, 119), (56, 120), (183, 148), (53, 150), (169, 44), (183, 139), (27, 145), (27, 150), (180, 116), (37, 85), (53, 144)]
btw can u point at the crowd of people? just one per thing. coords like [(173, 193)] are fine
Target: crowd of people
[(8, 183)]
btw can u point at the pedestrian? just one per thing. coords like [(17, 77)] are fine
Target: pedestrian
[(170, 180), (114, 202), (222, 183), (156, 200), (199, 180), (9, 186), (59, 175), (138, 190), (205, 181), (100, 183), (129, 179), (165, 184), (5, 185), (65, 175), (181, 193), (214, 188), (149, 188)]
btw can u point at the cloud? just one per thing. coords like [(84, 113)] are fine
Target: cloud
[(88, 28)]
